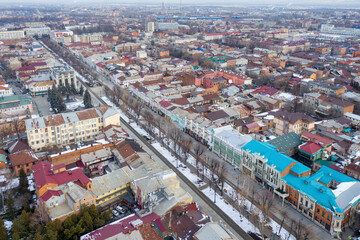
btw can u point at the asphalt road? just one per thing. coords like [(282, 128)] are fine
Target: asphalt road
[(229, 222), (200, 194)]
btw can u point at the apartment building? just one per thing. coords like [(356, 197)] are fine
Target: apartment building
[(8, 35), (326, 106), (67, 128), (64, 75), (354, 118), (285, 122)]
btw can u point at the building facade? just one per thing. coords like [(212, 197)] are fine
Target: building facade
[(67, 128), (63, 75)]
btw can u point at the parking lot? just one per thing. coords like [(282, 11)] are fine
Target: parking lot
[(41, 106)]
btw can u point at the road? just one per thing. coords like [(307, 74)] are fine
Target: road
[(207, 206), (188, 186)]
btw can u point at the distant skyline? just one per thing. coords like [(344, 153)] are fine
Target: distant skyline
[(283, 3)]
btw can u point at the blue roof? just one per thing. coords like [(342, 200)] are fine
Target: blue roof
[(313, 188), (275, 158), (316, 191), (300, 168), (326, 174)]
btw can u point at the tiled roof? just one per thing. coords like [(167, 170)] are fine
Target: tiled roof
[(318, 139), (43, 174), (23, 157), (293, 117), (213, 116), (17, 145), (49, 194), (121, 226), (310, 148)]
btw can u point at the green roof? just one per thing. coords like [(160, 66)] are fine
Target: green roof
[(15, 101), (286, 142), (324, 162), (3, 158)]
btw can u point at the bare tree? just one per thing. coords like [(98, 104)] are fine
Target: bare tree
[(283, 219), (176, 135), (17, 124), (149, 120), (241, 203), (266, 201), (221, 173), (137, 107), (198, 151), (214, 164), (301, 232), (186, 146), (252, 192)]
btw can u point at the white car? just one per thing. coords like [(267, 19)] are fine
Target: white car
[(120, 209), (115, 213)]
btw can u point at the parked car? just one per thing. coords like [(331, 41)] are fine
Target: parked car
[(115, 213), (120, 209)]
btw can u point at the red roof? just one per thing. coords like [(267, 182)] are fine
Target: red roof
[(318, 139), (26, 68), (180, 101), (38, 64), (120, 226), (165, 104), (252, 125), (43, 174), (265, 90), (49, 194), (310, 148)]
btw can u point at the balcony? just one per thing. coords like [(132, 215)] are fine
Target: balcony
[(281, 193)]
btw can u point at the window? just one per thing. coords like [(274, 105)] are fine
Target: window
[(323, 214)]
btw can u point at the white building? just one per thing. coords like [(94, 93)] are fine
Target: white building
[(40, 88), (5, 90), (150, 27), (7, 35), (63, 75)]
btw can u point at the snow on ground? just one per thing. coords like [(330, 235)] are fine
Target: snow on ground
[(244, 223), (108, 102), (227, 208), (12, 183), (139, 129), (8, 225), (184, 170), (74, 105)]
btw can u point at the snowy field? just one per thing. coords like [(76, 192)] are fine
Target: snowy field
[(74, 105)]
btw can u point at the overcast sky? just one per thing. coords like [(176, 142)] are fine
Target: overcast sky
[(304, 3)]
